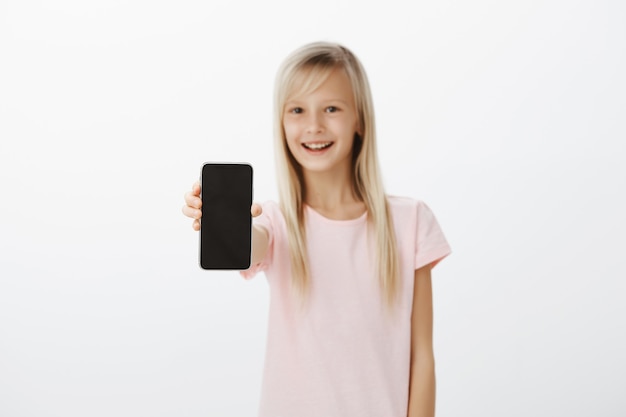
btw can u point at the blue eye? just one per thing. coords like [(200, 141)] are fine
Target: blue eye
[(331, 109), (296, 110)]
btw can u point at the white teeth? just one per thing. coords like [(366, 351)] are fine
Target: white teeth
[(317, 146)]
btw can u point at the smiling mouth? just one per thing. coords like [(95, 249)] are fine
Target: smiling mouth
[(317, 146)]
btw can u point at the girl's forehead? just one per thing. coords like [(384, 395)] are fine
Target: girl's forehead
[(307, 81)]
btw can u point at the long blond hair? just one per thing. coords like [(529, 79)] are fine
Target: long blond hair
[(302, 72)]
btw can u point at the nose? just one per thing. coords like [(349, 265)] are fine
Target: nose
[(314, 123)]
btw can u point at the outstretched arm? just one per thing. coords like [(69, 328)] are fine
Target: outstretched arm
[(422, 382), (260, 238)]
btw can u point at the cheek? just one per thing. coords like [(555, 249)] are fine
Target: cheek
[(291, 131), (345, 127), (290, 136), (291, 145)]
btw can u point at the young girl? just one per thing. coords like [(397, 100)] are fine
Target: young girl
[(349, 268)]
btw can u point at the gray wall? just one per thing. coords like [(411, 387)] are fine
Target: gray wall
[(507, 118)]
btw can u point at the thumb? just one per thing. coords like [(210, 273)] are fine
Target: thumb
[(256, 210)]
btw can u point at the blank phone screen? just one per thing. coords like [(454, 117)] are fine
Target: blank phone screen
[(226, 224)]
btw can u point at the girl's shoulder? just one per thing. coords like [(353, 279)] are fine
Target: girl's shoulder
[(407, 208), (413, 219), (402, 202)]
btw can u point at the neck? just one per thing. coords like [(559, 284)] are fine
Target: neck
[(332, 195)]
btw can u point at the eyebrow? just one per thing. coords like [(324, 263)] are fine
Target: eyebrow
[(332, 100)]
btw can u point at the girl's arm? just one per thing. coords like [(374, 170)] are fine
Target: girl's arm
[(260, 241), (422, 382)]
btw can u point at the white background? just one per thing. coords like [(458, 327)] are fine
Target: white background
[(506, 117)]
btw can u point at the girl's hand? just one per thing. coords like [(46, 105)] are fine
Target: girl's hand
[(193, 206)]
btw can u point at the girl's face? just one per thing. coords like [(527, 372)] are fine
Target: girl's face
[(320, 126)]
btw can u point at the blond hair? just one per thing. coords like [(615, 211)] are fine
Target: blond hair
[(302, 72)]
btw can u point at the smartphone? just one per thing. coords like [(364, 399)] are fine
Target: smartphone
[(226, 223)]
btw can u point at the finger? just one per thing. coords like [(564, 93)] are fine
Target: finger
[(256, 210), (195, 188), (192, 200), (196, 225), (192, 212)]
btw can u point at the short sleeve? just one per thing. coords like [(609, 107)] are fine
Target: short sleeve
[(265, 221), (431, 245)]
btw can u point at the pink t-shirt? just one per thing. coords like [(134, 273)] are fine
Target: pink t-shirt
[(344, 355)]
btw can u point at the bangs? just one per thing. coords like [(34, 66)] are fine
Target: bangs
[(306, 79)]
